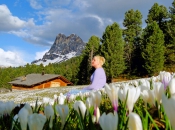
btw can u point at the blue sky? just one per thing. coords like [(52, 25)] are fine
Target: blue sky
[(28, 28)]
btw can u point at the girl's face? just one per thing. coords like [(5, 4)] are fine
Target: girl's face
[(95, 62)]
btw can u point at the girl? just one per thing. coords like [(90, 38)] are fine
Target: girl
[(98, 78)]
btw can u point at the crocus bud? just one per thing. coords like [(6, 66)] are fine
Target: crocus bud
[(46, 100), (28, 107), (80, 105), (109, 121), (148, 97), (61, 99), (89, 102), (166, 79), (49, 113), (2, 109), (63, 111), (97, 114), (23, 118), (172, 86), (55, 97), (158, 91), (10, 106), (112, 92), (36, 121), (134, 122)]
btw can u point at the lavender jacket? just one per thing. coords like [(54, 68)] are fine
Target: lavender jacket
[(98, 80)]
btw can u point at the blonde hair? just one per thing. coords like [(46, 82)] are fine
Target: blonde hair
[(101, 59)]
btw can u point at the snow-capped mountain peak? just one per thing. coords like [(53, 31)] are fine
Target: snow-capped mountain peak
[(62, 49)]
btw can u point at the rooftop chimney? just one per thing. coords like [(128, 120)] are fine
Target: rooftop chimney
[(23, 78)]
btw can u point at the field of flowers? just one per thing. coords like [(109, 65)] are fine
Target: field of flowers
[(142, 104)]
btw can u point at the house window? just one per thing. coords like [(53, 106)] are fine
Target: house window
[(55, 84)]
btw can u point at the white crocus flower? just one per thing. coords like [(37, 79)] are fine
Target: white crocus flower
[(36, 121), (63, 111), (71, 98), (148, 97), (61, 99), (166, 79), (155, 78), (169, 107), (23, 115), (46, 100), (112, 92), (133, 95), (55, 97), (158, 91), (89, 102), (134, 122), (2, 109), (23, 118), (103, 90), (161, 75), (172, 86), (81, 95), (10, 106), (109, 121), (135, 83), (80, 105), (122, 93), (49, 113), (145, 84), (28, 107), (96, 98), (86, 94), (96, 115)]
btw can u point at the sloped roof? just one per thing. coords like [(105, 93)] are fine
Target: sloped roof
[(32, 79)]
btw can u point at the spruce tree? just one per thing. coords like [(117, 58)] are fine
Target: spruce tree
[(153, 49), (112, 49), (131, 34), (159, 13)]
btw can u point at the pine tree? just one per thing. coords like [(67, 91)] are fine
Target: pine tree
[(153, 49), (131, 34), (112, 49), (159, 14)]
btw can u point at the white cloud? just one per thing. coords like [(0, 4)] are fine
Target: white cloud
[(39, 55), (9, 22), (81, 4), (35, 4), (11, 58), (82, 17)]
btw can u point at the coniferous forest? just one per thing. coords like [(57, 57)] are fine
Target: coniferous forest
[(130, 52)]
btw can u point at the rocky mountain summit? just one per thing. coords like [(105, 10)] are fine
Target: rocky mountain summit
[(62, 49)]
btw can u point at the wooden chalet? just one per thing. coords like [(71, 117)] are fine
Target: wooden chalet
[(39, 81)]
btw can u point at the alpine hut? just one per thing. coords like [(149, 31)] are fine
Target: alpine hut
[(39, 81)]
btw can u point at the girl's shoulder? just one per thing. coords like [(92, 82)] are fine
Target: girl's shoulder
[(99, 69)]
